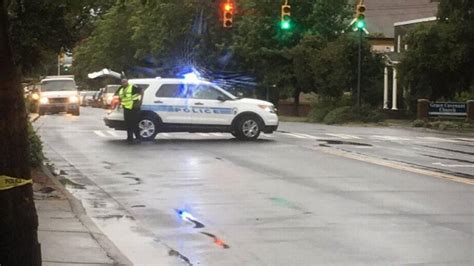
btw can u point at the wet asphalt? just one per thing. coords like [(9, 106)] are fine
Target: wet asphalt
[(208, 199)]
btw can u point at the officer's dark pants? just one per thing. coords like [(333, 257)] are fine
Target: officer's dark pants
[(131, 122)]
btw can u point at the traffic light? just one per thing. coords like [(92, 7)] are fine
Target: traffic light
[(285, 23), (228, 13), (360, 16)]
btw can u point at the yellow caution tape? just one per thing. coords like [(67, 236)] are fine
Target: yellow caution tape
[(7, 182)]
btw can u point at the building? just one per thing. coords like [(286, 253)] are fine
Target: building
[(381, 15)]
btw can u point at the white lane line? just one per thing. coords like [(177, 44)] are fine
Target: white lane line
[(454, 165), (293, 135), (217, 134), (438, 139), (268, 135), (203, 134), (465, 139), (113, 133), (308, 136), (100, 133), (343, 136), (391, 138), (165, 135)]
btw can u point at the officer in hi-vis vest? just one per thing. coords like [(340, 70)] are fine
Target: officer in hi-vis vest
[(130, 99)]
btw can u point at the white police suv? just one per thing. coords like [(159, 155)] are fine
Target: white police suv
[(182, 105)]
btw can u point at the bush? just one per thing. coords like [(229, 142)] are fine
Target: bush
[(35, 148), (321, 107), (419, 123), (338, 115)]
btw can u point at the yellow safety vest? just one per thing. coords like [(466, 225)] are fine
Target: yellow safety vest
[(127, 98)]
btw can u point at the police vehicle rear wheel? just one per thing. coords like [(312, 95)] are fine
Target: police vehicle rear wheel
[(248, 128), (148, 128)]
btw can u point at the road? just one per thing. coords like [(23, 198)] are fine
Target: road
[(306, 195)]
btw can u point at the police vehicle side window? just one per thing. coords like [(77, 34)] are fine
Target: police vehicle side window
[(172, 91), (206, 92)]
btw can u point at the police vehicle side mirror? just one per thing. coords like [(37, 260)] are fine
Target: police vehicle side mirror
[(221, 98)]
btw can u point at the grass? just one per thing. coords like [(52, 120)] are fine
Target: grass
[(300, 119)]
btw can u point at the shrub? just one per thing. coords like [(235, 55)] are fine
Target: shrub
[(419, 123), (35, 147), (338, 115)]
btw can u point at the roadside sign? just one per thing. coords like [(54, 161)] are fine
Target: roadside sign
[(448, 109)]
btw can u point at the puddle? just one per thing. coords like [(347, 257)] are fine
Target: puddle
[(138, 180), (217, 241), (342, 142), (114, 216), (68, 183), (175, 253), (186, 216)]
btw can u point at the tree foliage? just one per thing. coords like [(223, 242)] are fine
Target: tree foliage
[(440, 61)]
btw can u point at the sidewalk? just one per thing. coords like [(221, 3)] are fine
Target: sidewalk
[(66, 234)]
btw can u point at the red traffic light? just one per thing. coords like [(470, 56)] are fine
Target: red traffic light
[(228, 7)]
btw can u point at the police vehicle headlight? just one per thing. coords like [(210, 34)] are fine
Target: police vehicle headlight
[(268, 108), (35, 96), (44, 100), (73, 99)]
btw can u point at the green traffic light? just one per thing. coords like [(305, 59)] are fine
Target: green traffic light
[(285, 25), (360, 24)]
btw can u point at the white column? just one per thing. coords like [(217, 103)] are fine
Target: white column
[(394, 90), (385, 89)]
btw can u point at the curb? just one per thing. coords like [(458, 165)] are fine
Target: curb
[(104, 242), (33, 117)]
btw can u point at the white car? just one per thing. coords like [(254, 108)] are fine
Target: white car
[(181, 105), (59, 94)]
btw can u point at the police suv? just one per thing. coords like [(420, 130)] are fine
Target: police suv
[(181, 105)]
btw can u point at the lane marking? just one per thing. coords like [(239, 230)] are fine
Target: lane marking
[(308, 136), (268, 135), (438, 139), (293, 135), (217, 134), (100, 133), (164, 135), (454, 165), (113, 133), (203, 134), (343, 136), (394, 165), (465, 139), (389, 138)]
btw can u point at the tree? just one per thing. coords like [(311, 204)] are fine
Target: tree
[(335, 70), (18, 219), (440, 61)]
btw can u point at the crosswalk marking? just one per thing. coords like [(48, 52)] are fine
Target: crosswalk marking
[(113, 133), (99, 133), (343, 136), (465, 139), (437, 139), (391, 138), (293, 135)]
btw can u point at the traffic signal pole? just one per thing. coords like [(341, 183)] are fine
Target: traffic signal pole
[(359, 67)]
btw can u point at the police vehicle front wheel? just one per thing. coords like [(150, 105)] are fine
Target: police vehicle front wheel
[(148, 128), (248, 128)]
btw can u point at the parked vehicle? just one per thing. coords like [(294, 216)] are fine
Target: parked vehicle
[(180, 105), (86, 98)]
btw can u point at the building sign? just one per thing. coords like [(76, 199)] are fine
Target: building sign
[(451, 109)]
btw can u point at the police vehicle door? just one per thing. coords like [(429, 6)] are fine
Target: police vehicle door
[(171, 104), (210, 106)]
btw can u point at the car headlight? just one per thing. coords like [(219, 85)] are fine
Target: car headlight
[(44, 100), (268, 108), (35, 96), (73, 99)]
